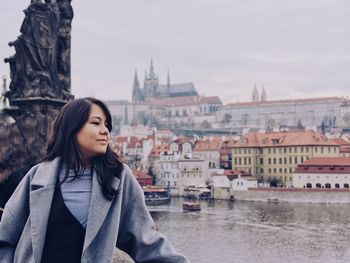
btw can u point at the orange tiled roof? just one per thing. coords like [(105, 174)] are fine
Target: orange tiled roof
[(322, 165), (284, 138), (297, 101), (341, 141), (335, 161), (207, 144), (158, 149)]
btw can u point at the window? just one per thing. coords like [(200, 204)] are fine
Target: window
[(336, 186), (318, 185), (328, 185), (261, 160), (346, 185), (308, 185), (261, 170)]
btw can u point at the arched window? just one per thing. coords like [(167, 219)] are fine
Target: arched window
[(318, 185), (346, 185), (336, 186), (308, 185), (327, 185)]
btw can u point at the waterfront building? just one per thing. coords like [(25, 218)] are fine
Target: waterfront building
[(323, 172), (154, 158), (168, 170), (193, 172), (209, 150), (226, 153), (225, 182), (274, 155), (325, 113)]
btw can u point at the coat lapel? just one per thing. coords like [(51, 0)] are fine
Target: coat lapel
[(99, 207), (43, 187)]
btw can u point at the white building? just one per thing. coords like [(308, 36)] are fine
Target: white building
[(323, 172), (225, 182), (274, 114), (168, 173), (192, 172)]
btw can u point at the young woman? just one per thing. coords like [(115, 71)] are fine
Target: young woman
[(81, 201)]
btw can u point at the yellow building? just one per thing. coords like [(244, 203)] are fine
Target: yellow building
[(275, 155)]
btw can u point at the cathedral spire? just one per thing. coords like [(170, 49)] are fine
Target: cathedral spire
[(263, 94), (168, 78), (152, 75), (255, 94), (136, 91), (126, 118)]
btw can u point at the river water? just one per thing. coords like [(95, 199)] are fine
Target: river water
[(226, 231)]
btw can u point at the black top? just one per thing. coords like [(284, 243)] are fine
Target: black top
[(64, 235)]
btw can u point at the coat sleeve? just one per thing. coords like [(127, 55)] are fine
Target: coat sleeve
[(137, 233), (14, 218)]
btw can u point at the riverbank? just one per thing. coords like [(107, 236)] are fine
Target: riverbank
[(293, 195)]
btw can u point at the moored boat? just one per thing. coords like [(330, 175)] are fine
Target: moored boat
[(156, 195), (191, 206)]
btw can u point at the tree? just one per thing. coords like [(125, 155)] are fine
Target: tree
[(227, 118), (346, 119), (205, 125)]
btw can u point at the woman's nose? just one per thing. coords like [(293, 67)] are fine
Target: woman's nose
[(104, 130)]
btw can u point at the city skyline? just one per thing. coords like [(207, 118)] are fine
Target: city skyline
[(294, 49)]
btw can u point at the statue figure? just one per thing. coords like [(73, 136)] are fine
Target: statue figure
[(35, 66), (64, 43)]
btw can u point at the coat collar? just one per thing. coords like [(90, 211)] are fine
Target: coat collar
[(42, 190), (99, 207)]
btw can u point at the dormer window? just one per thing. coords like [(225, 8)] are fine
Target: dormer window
[(275, 141)]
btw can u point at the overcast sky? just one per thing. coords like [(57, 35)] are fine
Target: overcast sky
[(295, 48)]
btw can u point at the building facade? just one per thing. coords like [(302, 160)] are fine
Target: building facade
[(275, 155), (323, 172)]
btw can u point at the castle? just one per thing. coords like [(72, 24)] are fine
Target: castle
[(152, 89)]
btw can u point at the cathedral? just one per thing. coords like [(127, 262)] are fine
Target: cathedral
[(152, 89)]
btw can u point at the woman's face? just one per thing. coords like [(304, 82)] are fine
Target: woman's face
[(93, 136)]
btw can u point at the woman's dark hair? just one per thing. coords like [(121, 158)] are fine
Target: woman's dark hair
[(63, 143)]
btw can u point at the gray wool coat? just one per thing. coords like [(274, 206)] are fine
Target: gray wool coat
[(123, 222)]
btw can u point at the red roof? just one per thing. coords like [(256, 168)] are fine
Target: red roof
[(207, 144), (331, 165), (284, 138)]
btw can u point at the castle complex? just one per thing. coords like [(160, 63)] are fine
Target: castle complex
[(152, 88)]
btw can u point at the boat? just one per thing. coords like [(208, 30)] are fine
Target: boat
[(156, 195), (191, 206), (197, 192)]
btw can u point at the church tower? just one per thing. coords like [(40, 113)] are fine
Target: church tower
[(168, 84), (255, 94), (136, 91), (263, 94), (151, 83)]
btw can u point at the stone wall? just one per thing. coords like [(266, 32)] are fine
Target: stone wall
[(330, 196)]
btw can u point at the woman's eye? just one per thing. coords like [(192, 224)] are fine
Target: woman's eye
[(95, 123)]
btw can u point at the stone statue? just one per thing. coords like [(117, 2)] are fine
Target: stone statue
[(37, 65), (64, 43)]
